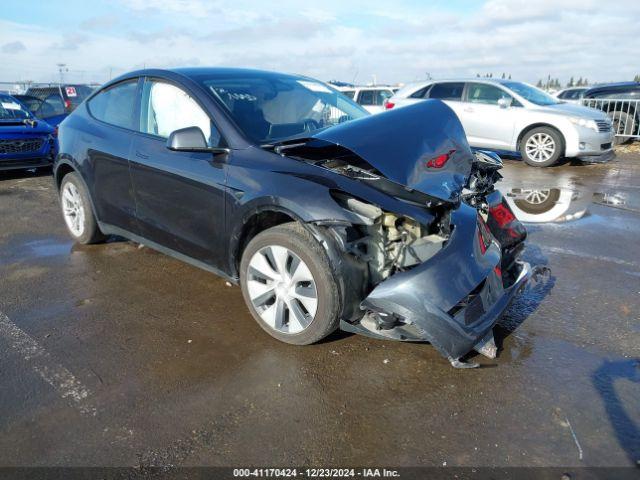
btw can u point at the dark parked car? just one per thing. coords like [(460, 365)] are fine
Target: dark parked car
[(50, 109), (621, 101), (25, 142), (54, 102), (385, 225)]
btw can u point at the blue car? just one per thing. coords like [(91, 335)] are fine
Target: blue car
[(25, 141)]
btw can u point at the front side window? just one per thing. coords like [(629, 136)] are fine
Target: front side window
[(484, 93), (115, 105), (447, 91), (275, 107), (532, 94), (167, 108)]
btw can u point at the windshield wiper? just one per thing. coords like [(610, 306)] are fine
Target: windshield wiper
[(287, 144)]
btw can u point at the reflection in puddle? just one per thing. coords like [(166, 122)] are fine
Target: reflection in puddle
[(545, 204)]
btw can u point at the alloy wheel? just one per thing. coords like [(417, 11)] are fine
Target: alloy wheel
[(282, 289), (540, 147), (73, 209)]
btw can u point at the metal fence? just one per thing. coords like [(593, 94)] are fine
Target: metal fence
[(624, 113)]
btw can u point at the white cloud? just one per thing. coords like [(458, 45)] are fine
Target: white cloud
[(338, 39)]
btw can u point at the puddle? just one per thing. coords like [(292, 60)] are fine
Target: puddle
[(48, 248), (556, 198)]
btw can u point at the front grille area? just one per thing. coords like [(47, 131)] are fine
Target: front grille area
[(605, 146), (20, 146), (603, 126)]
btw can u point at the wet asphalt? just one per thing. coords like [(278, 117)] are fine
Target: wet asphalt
[(117, 355)]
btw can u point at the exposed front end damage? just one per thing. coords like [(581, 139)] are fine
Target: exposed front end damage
[(444, 279)]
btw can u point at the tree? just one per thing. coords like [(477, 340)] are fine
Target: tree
[(510, 76), (539, 84), (478, 75), (503, 76), (585, 82), (636, 78), (570, 84), (579, 84)]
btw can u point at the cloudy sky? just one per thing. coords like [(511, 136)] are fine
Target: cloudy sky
[(395, 40)]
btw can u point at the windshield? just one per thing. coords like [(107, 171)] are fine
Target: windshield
[(532, 94), (271, 108), (11, 109)]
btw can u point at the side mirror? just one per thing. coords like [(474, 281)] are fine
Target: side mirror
[(504, 102), (191, 139)]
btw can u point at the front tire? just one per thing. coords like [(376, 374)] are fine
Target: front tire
[(541, 147), (77, 212), (289, 285)]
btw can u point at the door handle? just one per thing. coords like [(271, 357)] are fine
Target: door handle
[(144, 156)]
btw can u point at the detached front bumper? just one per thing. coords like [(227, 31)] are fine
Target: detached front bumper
[(452, 301)]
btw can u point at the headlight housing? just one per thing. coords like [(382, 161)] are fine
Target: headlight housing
[(584, 122)]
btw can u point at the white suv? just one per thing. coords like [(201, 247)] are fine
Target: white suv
[(510, 116), (373, 99)]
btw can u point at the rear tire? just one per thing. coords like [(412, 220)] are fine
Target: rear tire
[(541, 146), (289, 285), (78, 212)]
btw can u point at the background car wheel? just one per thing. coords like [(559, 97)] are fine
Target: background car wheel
[(623, 123), (77, 211), (289, 285), (541, 147), (537, 200)]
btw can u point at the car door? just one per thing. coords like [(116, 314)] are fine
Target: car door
[(179, 195), (108, 142), (487, 121)]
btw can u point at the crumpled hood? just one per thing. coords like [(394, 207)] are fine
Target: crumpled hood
[(399, 144)]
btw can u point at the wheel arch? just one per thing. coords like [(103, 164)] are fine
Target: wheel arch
[(258, 220), (528, 128)]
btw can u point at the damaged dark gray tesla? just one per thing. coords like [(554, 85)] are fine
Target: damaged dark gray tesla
[(385, 225)]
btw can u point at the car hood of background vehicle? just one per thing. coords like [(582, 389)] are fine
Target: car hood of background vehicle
[(576, 111), (399, 144), (13, 128)]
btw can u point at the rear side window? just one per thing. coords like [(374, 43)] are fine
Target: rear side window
[(483, 93), (53, 105), (373, 97), (349, 93), (116, 104), (447, 91)]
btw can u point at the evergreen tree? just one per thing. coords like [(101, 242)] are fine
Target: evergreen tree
[(503, 76), (539, 84), (570, 84), (510, 76), (585, 82), (579, 82)]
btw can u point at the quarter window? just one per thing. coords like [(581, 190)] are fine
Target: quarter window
[(483, 93), (447, 91), (167, 108), (116, 104), (349, 93)]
